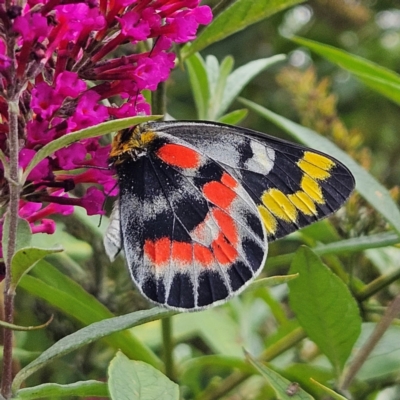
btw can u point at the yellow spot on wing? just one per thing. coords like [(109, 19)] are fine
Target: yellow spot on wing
[(318, 160), (279, 205), (313, 170), (303, 202), (312, 188), (269, 221)]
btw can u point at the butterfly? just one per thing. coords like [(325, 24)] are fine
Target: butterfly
[(199, 201)]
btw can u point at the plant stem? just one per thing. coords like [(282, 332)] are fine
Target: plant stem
[(9, 294), (377, 284), (392, 311), (168, 348), (158, 100), (236, 378)]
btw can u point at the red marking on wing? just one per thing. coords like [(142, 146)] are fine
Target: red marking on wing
[(182, 252), (229, 181), (203, 255), (159, 251), (224, 252), (227, 225), (179, 156), (219, 194)]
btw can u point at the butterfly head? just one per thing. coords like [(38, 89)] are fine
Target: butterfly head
[(130, 143)]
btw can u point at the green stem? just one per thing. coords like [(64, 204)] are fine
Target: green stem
[(377, 284), (280, 346), (158, 100), (168, 348), (340, 247), (236, 378)]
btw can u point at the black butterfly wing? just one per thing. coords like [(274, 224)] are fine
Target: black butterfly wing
[(292, 186)]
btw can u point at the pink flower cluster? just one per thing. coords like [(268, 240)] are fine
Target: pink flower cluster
[(61, 56)]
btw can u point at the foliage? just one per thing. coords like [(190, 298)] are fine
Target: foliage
[(323, 325)]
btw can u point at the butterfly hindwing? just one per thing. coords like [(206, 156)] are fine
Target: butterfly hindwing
[(192, 235), (293, 186)]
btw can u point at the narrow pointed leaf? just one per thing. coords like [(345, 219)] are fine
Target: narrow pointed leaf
[(199, 83), (50, 390), (241, 76), (212, 70), (329, 392), (136, 380), (324, 307), (25, 259), (284, 389), (87, 335), (68, 296), (271, 281), (234, 18), (216, 97), (368, 187), (378, 78), (234, 117)]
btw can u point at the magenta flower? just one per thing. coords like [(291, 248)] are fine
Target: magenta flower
[(65, 70)]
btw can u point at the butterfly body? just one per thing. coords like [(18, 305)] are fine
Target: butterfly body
[(199, 202)]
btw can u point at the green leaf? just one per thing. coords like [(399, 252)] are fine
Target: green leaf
[(48, 390), (378, 78), (87, 335), (24, 235), (302, 372), (271, 281), (342, 246), (215, 87), (25, 259), (62, 292), (329, 392), (324, 307), (136, 380), (199, 83), (212, 69), (234, 117), (368, 187), (284, 389), (217, 94), (239, 78), (234, 18), (93, 131)]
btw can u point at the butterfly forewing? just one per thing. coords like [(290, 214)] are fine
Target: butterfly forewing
[(192, 235), (292, 186)]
